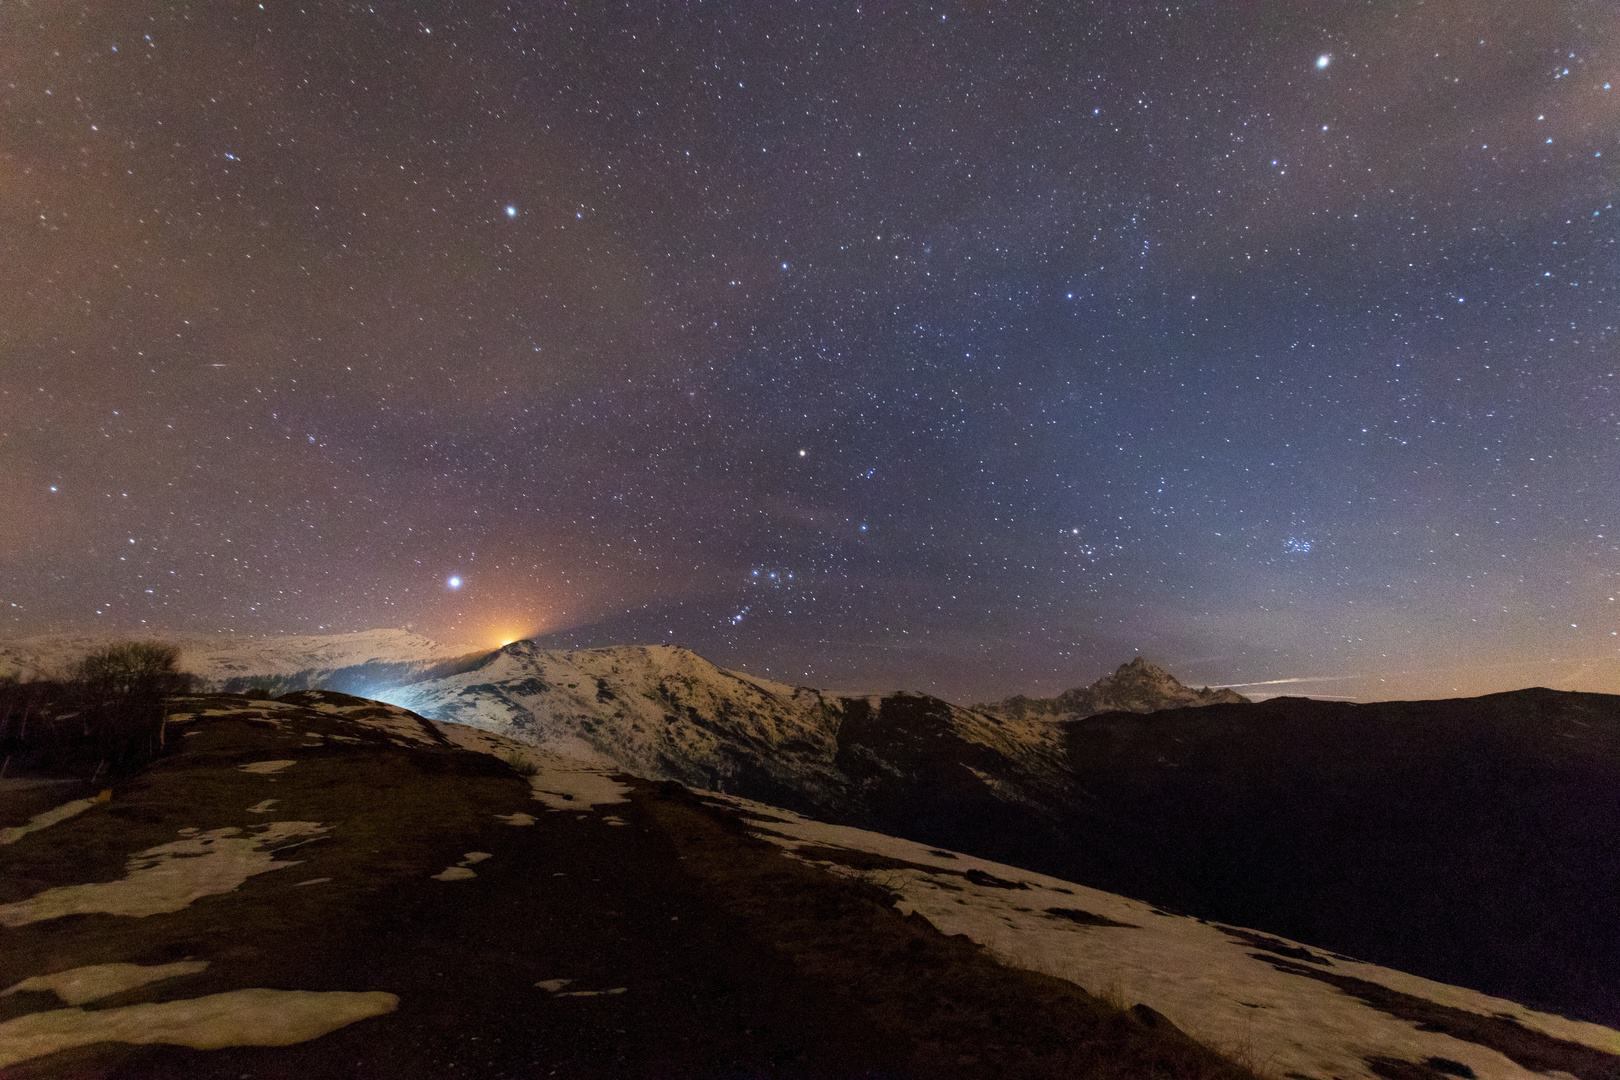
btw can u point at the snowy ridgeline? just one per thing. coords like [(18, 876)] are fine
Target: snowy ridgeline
[(370, 660), (665, 713)]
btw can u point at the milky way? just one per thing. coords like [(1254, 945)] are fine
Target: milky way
[(972, 348)]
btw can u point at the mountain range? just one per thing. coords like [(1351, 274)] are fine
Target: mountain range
[(1468, 841), (352, 663)]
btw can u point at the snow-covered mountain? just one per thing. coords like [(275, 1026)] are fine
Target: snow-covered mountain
[(665, 713), (1359, 827), (1137, 687), (353, 663)]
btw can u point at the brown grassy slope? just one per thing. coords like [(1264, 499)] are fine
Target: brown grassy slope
[(734, 960)]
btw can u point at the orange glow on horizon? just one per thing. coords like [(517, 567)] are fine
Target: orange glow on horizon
[(504, 633)]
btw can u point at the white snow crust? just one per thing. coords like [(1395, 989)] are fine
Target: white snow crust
[(51, 817), (79, 985), (170, 876), (1220, 990), (559, 782), (255, 1017)]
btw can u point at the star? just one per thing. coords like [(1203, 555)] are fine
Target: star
[(453, 582)]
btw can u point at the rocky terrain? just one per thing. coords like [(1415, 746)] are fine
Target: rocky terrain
[(1137, 687), (666, 713), (321, 885)]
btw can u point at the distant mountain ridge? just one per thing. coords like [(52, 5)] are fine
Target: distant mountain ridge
[(1470, 840), (1137, 686), (356, 663)]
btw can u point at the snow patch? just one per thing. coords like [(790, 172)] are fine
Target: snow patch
[(516, 819), (255, 1017), (558, 782), (460, 871), (401, 725), (79, 985), (170, 876), (51, 817), (265, 768), (577, 788)]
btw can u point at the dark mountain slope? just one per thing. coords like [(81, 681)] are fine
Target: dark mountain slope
[(340, 880), (1474, 841), (1470, 841)]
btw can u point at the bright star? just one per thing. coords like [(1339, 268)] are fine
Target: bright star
[(453, 582), (1323, 61), (511, 211)]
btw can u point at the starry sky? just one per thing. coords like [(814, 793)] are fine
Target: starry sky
[(968, 347)]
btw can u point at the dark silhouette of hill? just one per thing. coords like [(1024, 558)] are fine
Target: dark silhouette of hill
[(1473, 841)]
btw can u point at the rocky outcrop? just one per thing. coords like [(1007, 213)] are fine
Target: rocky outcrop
[(1137, 687), (665, 713)]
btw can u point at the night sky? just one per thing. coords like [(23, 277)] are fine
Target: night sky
[(972, 348)]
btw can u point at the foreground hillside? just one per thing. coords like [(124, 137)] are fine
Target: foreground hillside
[(323, 886), (1468, 841), (344, 882)]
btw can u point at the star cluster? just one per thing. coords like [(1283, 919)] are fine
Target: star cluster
[(958, 347)]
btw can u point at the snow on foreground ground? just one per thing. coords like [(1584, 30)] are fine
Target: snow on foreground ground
[(1282, 1006), (323, 885), (1287, 1008), (323, 880)]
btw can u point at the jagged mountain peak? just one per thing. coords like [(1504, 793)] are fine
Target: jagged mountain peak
[(1137, 685)]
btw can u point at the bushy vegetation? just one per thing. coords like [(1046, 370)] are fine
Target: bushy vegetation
[(107, 717), (522, 765)]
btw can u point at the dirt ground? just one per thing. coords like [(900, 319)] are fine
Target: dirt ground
[(646, 939)]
